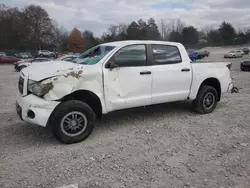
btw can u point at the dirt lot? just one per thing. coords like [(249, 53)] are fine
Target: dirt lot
[(160, 146)]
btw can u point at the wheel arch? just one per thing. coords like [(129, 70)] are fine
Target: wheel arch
[(88, 97), (213, 82)]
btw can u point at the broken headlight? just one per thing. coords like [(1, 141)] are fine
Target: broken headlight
[(39, 89)]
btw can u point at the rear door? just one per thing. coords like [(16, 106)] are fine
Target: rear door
[(128, 85), (172, 74)]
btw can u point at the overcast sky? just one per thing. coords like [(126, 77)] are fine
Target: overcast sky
[(97, 15)]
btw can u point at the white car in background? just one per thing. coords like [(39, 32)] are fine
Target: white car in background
[(25, 63), (67, 58), (234, 54), (2, 54), (46, 53)]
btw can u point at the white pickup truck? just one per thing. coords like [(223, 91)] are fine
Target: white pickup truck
[(113, 76)]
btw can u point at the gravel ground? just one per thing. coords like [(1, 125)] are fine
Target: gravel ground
[(160, 146)]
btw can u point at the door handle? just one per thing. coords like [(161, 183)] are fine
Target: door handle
[(185, 70), (145, 72)]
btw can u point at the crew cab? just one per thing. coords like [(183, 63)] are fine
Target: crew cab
[(113, 76)]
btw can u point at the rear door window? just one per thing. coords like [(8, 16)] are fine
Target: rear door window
[(166, 54)]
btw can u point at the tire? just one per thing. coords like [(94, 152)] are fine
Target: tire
[(200, 103), (64, 112)]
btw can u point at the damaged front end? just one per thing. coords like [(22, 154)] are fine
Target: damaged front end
[(39, 88)]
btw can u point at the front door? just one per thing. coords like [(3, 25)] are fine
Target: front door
[(129, 84)]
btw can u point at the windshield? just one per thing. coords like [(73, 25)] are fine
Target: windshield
[(94, 55)]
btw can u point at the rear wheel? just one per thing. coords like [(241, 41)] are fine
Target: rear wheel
[(206, 100), (72, 122)]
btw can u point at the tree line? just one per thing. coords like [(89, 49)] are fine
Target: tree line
[(31, 28)]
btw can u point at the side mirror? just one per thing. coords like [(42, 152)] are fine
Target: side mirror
[(111, 64)]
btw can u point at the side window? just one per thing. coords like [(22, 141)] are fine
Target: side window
[(166, 54), (131, 56)]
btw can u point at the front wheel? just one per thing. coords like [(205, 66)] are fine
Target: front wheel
[(206, 100), (72, 122)]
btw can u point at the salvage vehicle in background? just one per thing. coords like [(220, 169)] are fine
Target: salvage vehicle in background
[(234, 54), (70, 58), (18, 66), (8, 59), (203, 53), (192, 55), (245, 65), (2, 54), (69, 97), (246, 51), (46, 53), (23, 55)]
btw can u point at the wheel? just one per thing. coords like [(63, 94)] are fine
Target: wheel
[(22, 67), (233, 56), (206, 100), (72, 122), (242, 69)]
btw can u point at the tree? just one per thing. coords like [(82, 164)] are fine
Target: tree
[(133, 31), (39, 24), (75, 41), (214, 37), (13, 28), (175, 36), (114, 33), (227, 33), (89, 39), (190, 35), (152, 30)]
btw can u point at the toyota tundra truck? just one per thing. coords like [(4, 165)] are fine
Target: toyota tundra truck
[(69, 96)]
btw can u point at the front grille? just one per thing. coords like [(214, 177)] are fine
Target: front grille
[(20, 84)]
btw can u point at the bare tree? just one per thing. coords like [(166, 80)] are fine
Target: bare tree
[(170, 26)]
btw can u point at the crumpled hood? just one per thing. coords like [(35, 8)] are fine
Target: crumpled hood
[(49, 69)]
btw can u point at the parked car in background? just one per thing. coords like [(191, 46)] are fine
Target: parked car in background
[(67, 58), (202, 54), (22, 64), (116, 76), (2, 54), (46, 53), (8, 59), (23, 55), (245, 65), (246, 51), (192, 55), (234, 54)]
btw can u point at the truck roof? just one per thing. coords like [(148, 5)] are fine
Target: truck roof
[(128, 42)]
